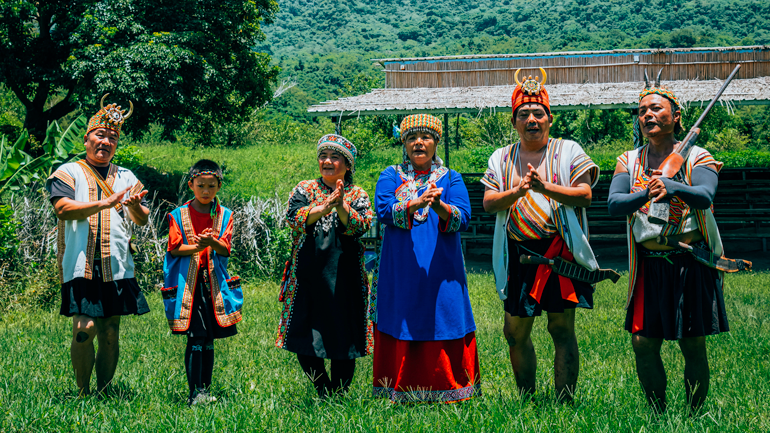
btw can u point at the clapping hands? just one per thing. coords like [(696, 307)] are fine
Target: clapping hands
[(131, 201), (335, 199), (135, 200), (532, 181), (205, 239), (431, 197)]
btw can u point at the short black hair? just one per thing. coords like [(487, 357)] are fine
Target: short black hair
[(205, 165)]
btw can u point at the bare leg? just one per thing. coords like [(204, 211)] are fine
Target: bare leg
[(649, 368), (82, 351), (566, 362), (696, 370), (107, 332), (517, 331)]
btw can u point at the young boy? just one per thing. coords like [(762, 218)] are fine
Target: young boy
[(200, 298)]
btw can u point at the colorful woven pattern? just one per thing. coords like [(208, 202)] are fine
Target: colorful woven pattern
[(109, 117), (104, 119), (207, 173), (421, 123), (662, 92), (520, 97), (341, 145)]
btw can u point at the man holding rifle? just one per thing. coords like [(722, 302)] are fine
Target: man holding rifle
[(675, 282)]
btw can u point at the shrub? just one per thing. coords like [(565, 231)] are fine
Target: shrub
[(8, 227), (129, 157), (728, 140), (744, 158)]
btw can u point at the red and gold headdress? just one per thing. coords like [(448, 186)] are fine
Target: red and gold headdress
[(531, 90), (109, 117)]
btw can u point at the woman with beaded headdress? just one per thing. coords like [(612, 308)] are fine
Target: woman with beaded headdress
[(424, 338), (671, 296), (325, 288)]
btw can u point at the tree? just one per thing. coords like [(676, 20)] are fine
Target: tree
[(182, 62)]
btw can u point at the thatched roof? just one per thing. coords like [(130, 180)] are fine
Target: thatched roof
[(751, 91)]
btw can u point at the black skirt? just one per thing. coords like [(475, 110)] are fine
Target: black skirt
[(680, 298), (203, 320), (521, 278), (329, 311), (96, 298)]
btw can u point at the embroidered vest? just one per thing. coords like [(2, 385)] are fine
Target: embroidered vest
[(180, 275), (76, 243), (705, 217)]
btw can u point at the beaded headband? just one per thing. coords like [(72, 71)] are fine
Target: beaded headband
[(421, 123), (657, 89), (207, 173)]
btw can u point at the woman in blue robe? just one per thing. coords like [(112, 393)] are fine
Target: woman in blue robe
[(424, 343)]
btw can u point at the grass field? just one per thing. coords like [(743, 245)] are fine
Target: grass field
[(261, 388)]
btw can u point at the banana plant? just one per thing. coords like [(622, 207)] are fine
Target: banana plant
[(18, 168)]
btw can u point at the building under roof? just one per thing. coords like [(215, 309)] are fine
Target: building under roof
[(576, 80)]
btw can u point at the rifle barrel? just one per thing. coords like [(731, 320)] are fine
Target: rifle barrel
[(719, 93)]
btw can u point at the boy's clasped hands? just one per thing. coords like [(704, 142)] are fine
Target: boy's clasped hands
[(207, 238)]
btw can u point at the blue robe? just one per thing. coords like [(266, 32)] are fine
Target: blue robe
[(420, 291)]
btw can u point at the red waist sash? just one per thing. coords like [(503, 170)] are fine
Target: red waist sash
[(558, 248)]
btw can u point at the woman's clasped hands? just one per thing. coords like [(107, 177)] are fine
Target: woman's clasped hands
[(431, 197), (335, 199)]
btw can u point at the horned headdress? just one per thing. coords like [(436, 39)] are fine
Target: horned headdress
[(531, 90), (109, 117)]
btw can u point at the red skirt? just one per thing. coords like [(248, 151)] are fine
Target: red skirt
[(426, 371)]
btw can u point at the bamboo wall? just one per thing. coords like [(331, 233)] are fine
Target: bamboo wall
[(578, 68)]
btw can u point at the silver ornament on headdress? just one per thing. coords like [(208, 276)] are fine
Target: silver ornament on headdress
[(114, 113)]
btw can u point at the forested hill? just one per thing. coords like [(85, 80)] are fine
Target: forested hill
[(326, 44)]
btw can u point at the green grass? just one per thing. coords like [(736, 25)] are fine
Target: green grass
[(261, 388)]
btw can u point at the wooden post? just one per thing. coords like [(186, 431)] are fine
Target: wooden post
[(338, 126), (457, 132), (446, 139)]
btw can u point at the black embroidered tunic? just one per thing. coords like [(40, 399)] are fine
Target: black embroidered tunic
[(325, 289)]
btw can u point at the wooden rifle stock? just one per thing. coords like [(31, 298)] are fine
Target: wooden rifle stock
[(670, 166)]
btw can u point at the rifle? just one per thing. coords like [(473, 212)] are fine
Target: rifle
[(707, 257), (670, 166), (571, 270)]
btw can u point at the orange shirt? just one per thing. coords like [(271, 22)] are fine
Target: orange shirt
[(200, 222)]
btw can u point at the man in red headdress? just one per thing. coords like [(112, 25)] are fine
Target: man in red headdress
[(94, 201), (539, 189)]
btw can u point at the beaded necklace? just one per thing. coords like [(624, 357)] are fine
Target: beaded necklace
[(411, 184)]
